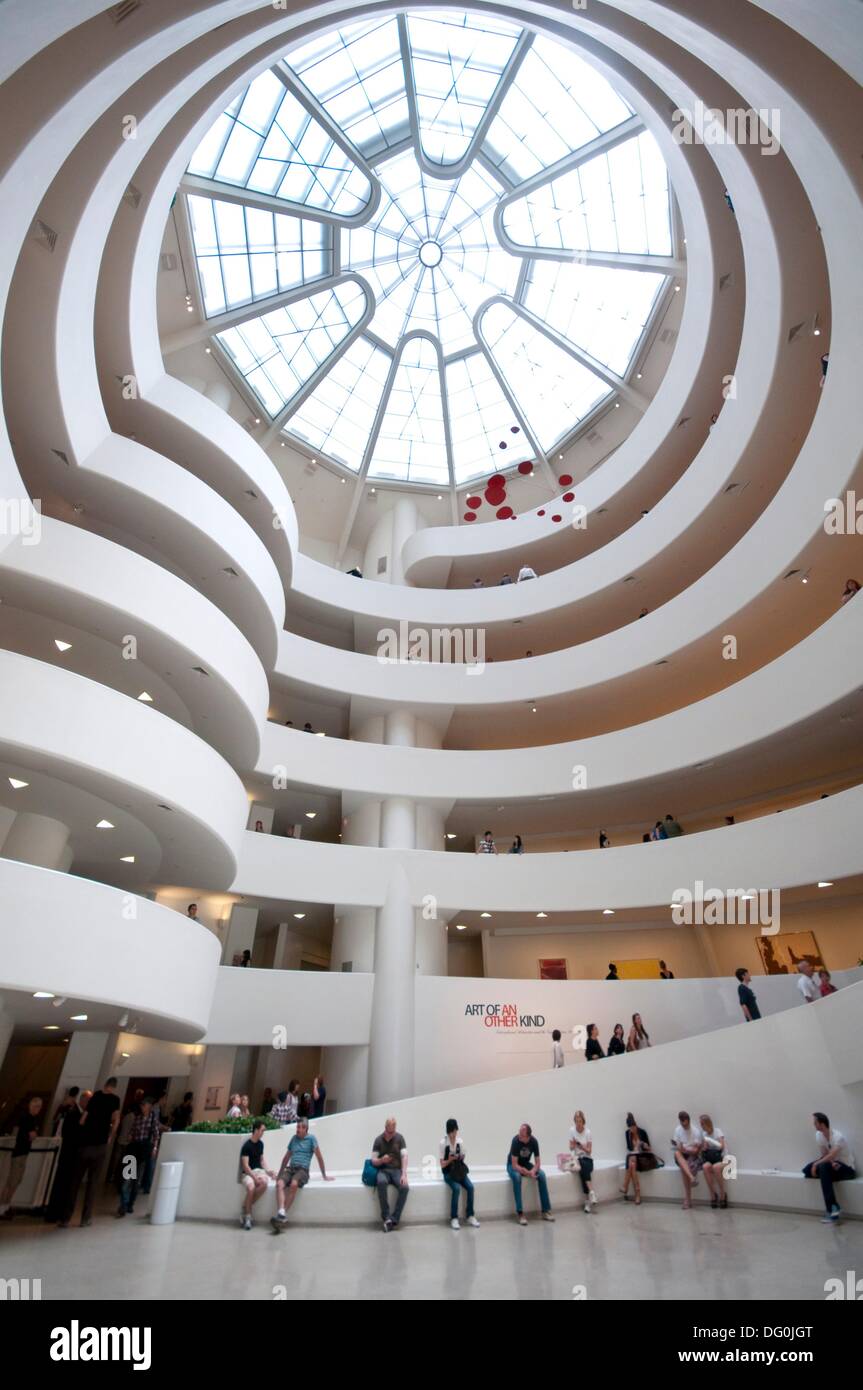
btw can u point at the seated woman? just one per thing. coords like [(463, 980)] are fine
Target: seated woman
[(687, 1144), (640, 1158), (616, 1044), (638, 1035), (593, 1051), (712, 1159), (581, 1148)]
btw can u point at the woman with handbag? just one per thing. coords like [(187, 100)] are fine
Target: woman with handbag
[(455, 1174), (640, 1158), (581, 1159)]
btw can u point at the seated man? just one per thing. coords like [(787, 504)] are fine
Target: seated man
[(390, 1157), (523, 1162), (294, 1172), (835, 1163), (253, 1173)]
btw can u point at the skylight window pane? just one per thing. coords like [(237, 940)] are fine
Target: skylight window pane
[(554, 390), (556, 104), (615, 202), (457, 62), (357, 76), (411, 445), (337, 418), (285, 347), (269, 143), (237, 258), (602, 311), (481, 420)]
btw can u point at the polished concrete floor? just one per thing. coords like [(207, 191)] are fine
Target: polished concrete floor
[(656, 1251)]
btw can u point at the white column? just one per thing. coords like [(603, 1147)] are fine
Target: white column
[(405, 523), (391, 1045), (346, 1073), (398, 823), (400, 729), (431, 946), (39, 840), (214, 1067), (6, 1028), (354, 940)]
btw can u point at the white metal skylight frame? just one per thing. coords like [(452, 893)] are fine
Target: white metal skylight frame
[(367, 77)]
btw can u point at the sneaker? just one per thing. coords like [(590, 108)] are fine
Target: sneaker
[(87, 1222), (832, 1215), (587, 1208), (388, 1224), (247, 1223), (521, 1218), (120, 1212), (547, 1216), (455, 1225), (279, 1224), (472, 1221), (281, 1214), (593, 1198)]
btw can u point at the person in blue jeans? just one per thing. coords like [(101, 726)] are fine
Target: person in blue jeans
[(455, 1170), (522, 1161)]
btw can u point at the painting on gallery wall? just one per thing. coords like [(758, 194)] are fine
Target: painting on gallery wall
[(780, 955), (552, 969), (213, 1100)]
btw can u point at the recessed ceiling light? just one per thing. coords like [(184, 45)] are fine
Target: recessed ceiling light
[(608, 912), (145, 698), (125, 1056), (320, 734), (208, 350), (485, 914), (460, 926), (677, 289), (62, 646), (78, 1018), (299, 916), (43, 994), (825, 883), (104, 825), (52, 1028), (450, 834), (17, 784), (127, 859), (310, 815), (542, 914)]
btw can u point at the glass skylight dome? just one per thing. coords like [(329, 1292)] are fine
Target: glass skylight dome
[(430, 244)]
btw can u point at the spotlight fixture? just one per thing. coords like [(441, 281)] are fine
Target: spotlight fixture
[(460, 926), (78, 1018), (608, 912), (450, 834), (43, 994), (542, 914), (145, 698), (485, 914), (127, 858), (310, 815), (62, 646), (299, 916), (825, 883), (16, 784), (52, 1028), (104, 825)]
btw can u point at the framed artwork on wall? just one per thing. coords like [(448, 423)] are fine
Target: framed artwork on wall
[(647, 969), (213, 1100), (780, 955), (552, 969)]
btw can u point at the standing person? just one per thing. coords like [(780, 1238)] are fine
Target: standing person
[(658, 832), (246, 959), (455, 1174), (673, 828), (557, 1059), (526, 572), (293, 1101), (638, 1035), (192, 911), (851, 589), (712, 1161), (29, 1124), (616, 1043), (294, 1172), (253, 1172), (135, 1163), (523, 1161), (182, 1116), (516, 847), (604, 842), (664, 972), (390, 1157), (268, 1100), (825, 985), (806, 984), (304, 1106), (612, 971), (593, 1051), (835, 1163), (69, 1102), (234, 1109), (486, 844), (70, 1133), (281, 1111), (319, 1097), (687, 1143), (748, 1002), (507, 579), (640, 1158), (581, 1148), (245, 1108), (160, 1127), (99, 1126)]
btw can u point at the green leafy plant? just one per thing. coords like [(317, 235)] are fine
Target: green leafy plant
[(243, 1125)]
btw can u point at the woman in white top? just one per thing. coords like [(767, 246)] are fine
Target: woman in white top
[(581, 1148), (525, 573), (687, 1143), (712, 1159), (235, 1110), (638, 1035)]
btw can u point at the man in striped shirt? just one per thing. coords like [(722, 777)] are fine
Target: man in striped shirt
[(142, 1142)]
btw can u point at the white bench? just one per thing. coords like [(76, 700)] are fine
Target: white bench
[(348, 1202)]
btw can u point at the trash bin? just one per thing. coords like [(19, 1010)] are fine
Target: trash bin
[(164, 1210)]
